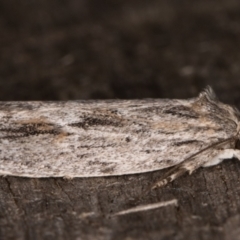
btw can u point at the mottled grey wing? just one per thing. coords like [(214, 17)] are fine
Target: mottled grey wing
[(102, 138)]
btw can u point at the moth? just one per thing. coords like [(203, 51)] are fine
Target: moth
[(116, 137)]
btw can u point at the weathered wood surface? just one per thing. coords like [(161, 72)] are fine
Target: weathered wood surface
[(120, 49), (79, 209)]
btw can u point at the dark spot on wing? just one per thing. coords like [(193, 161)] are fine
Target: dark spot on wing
[(151, 151), (82, 156), (104, 167), (30, 129), (97, 121), (133, 105), (96, 146), (168, 162), (185, 142), (101, 164), (181, 111)]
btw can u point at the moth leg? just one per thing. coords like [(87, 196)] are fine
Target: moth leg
[(223, 154), (191, 164), (177, 171)]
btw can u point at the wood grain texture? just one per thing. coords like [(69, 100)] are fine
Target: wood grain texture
[(56, 208), (59, 50)]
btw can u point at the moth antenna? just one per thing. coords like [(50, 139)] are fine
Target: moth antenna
[(188, 165)]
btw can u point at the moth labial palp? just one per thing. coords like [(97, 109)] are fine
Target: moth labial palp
[(116, 137)]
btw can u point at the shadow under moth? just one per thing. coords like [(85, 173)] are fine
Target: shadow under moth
[(116, 137)]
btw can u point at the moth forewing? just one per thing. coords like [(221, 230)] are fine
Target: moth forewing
[(112, 137)]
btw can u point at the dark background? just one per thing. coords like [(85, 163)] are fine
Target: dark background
[(84, 49)]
